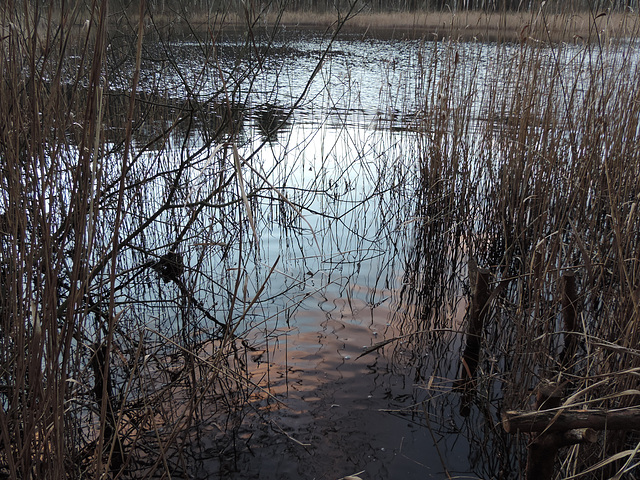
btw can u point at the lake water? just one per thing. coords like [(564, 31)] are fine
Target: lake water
[(345, 255)]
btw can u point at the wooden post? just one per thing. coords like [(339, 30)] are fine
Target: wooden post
[(551, 427), (543, 448), (471, 356), (569, 419), (569, 316), (549, 435), (99, 362)]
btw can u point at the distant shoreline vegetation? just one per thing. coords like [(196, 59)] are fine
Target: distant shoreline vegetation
[(470, 25), (535, 25), (542, 23)]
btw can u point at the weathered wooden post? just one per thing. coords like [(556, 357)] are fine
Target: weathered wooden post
[(570, 419), (99, 362), (550, 426), (471, 356), (541, 454), (569, 316), (544, 446), (557, 428)]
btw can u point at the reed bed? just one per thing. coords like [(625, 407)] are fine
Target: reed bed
[(529, 168), (124, 245), (542, 24), (128, 236)]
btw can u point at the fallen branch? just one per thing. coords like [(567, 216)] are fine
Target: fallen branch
[(561, 421)]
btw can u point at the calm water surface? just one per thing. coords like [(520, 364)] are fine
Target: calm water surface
[(325, 413)]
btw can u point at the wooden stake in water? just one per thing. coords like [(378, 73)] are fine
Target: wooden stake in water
[(544, 446), (471, 356), (569, 316)]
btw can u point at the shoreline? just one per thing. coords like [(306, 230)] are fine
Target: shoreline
[(471, 25), (538, 27)]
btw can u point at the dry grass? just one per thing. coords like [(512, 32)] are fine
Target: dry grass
[(470, 25), (539, 25), (124, 277), (104, 308), (529, 167)]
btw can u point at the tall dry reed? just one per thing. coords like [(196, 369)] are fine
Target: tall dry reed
[(124, 240), (529, 167)]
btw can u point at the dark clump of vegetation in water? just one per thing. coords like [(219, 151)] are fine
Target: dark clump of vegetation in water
[(128, 224)]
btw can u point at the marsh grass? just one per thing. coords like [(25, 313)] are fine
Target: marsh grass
[(124, 250), (541, 24), (549, 22), (544, 24), (529, 167)]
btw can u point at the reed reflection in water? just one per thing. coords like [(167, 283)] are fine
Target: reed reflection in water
[(385, 223)]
